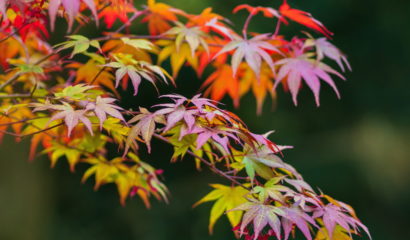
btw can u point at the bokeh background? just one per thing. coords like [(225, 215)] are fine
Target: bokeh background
[(356, 149)]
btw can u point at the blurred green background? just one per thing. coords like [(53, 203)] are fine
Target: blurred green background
[(356, 149)]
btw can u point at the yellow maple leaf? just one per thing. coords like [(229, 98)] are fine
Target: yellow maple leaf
[(226, 198), (338, 234), (177, 55), (261, 86), (92, 72)]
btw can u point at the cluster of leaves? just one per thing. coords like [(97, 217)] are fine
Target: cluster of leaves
[(68, 104)]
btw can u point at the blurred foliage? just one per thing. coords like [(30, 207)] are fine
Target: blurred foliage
[(355, 149)]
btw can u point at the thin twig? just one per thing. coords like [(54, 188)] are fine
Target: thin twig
[(20, 95), (97, 75)]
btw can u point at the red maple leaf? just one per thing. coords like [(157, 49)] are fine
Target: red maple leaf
[(303, 18)]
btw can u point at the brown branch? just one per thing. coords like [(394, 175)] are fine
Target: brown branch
[(18, 95), (19, 121), (43, 131), (149, 37), (97, 75), (30, 134)]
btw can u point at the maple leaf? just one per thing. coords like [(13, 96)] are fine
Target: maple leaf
[(215, 25), (296, 216), (299, 184), (253, 51), (272, 189), (12, 113), (69, 114), (311, 71), (74, 147), (209, 21), (192, 35), (261, 161), (303, 18), (180, 110), (226, 198), (104, 106), (58, 150), (5, 3), (260, 215), (188, 142), (177, 56), (9, 48), (113, 12), (260, 87), (159, 15), (79, 44), (75, 92), (116, 130), (338, 234), (176, 114), (139, 178), (333, 215), (92, 72), (325, 49), (222, 81), (145, 127), (203, 18), (138, 43), (44, 137), (72, 8), (136, 71)]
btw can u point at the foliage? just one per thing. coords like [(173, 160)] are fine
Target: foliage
[(65, 97)]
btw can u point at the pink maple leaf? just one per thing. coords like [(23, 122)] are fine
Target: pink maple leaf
[(254, 51), (104, 106), (302, 68), (296, 216), (72, 118), (72, 8), (333, 215)]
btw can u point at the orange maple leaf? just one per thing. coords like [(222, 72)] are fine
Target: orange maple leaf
[(113, 12), (222, 82), (159, 15)]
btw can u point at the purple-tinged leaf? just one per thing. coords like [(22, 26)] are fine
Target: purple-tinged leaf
[(254, 51), (296, 216), (296, 69), (104, 106)]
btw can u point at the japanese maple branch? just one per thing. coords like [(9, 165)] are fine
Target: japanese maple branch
[(94, 154), (135, 16), (210, 165), (13, 33), (17, 75), (33, 133), (148, 37), (18, 95), (97, 75)]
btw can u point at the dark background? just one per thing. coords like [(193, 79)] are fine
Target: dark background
[(356, 149)]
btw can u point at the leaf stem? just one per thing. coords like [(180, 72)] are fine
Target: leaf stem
[(277, 28), (246, 25)]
